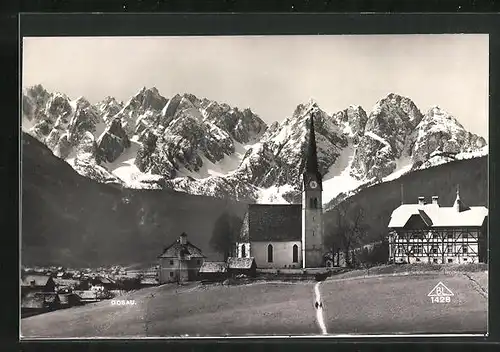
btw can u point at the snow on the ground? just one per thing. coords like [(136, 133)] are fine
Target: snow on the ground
[(377, 137), (273, 195), (403, 165), (125, 169), (475, 154), (26, 124), (338, 179), (224, 167)]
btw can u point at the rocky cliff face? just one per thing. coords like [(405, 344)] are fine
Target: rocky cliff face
[(204, 147)]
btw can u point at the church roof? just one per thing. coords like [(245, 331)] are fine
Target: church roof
[(265, 222)]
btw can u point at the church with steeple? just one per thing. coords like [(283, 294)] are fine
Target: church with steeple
[(288, 235)]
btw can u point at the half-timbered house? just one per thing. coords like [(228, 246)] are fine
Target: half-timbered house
[(431, 233)]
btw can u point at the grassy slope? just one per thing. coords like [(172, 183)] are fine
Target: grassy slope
[(71, 220), (380, 200), (378, 304), (212, 310)]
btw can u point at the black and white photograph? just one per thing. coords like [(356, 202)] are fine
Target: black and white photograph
[(251, 186)]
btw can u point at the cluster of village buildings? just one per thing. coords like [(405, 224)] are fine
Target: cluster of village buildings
[(285, 237), (47, 289)]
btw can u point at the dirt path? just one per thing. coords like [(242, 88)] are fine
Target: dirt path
[(319, 309)]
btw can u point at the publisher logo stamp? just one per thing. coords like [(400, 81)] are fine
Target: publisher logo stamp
[(440, 294)]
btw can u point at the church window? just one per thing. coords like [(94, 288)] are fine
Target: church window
[(243, 251), (270, 253), (315, 203), (295, 253)]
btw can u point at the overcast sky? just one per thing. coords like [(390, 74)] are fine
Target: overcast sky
[(273, 74)]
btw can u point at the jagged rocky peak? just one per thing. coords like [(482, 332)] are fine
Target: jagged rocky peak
[(279, 159), (109, 107), (59, 105), (439, 131), (394, 110), (388, 136), (112, 143), (36, 91), (352, 120), (148, 98)]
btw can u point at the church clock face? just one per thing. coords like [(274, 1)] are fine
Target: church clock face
[(313, 184)]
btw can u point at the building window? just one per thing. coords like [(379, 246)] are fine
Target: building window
[(418, 259), (435, 235), (171, 262), (450, 260), (449, 249), (315, 203), (243, 251), (434, 250), (434, 260), (171, 274), (464, 250), (465, 259), (270, 253), (295, 253), (449, 235)]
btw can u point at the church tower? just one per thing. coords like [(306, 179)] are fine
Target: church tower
[(312, 209)]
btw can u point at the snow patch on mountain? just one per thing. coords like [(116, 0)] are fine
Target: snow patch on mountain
[(339, 179), (274, 195), (403, 165)]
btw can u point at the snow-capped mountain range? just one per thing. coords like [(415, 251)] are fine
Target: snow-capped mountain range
[(204, 147)]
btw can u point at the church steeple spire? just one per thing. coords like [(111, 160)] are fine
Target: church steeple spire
[(311, 169)]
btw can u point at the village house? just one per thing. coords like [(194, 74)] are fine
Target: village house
[(37, 283), (288, 236), (241, 266), (431, 233), (180, 262), (213, 271), (39, 302)]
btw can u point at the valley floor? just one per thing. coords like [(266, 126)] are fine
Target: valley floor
[(380, 304)]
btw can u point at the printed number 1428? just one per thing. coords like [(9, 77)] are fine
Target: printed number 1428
[(440, 299)]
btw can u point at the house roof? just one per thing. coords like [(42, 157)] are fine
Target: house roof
[(40, 280), (176, 250), (213, 267), (436, 216), (264, 222), (87, 294), (240, 263), (149, 281)]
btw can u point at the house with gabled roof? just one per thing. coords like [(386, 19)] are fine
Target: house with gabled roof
[(213, 271), (238, 266), (291, 235), (37, 283), (179, 262), (431, 233)]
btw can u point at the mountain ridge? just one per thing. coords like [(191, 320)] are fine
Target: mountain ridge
[(204, 147)]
